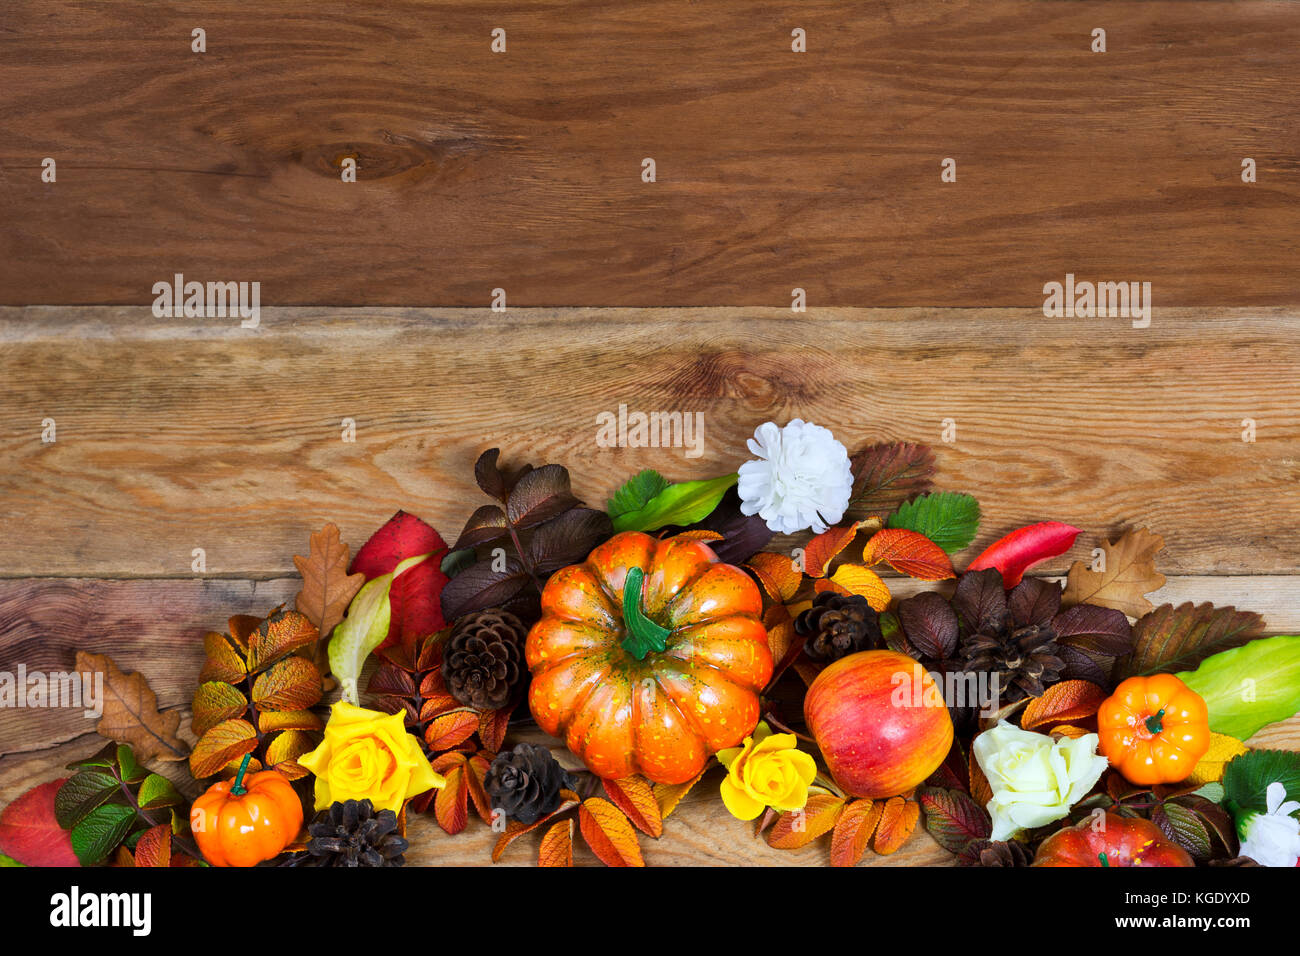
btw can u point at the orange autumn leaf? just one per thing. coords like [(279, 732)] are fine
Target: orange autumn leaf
[(514, 829), (779, 639), (478, 767), (608, 833), (154, 847), (451, 803), (823, 549), (1073, 731), (779, 576), (557, 845), (897, 821), (910, 553), (698, 534), (980, 789), (800, 827), (1068, 701), (853, 831), (856, 579), (451, 729), (668, 795), (634, 796), (492, 727)]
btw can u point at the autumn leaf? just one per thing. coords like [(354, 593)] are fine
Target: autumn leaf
[(800, 827), (30, 832), (1025, 547), (778, 575), (1064, 702), (451, 802), (130, 712), (452, 729), (668, 795), (223, 661), (855, 579), (514, 829), (477, 767), (1179, 638), (634, 796), (327, 588), (291, 684), (154, 847), (220, 745), (888, 474), (930, 624), (908, 552), (825, 547), (1130, 574), (852, 832), (981, 790), (1209, 769), (282, 633), (608, 833), (557, 845), (953, 818), (215, 701), (897, 821)]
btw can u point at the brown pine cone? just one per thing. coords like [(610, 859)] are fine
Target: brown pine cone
[(483, 662), (996, 853), (353, 834), (1024, 658), (525, 783), (837, 625)]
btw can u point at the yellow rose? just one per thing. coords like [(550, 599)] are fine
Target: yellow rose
[(367, 754), (766, 771)]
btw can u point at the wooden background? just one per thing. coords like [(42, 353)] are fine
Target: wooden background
[(522, 171)]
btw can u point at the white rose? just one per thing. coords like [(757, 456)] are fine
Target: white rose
[(1034, 779)]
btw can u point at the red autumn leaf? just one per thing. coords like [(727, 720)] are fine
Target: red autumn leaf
[(634, 796), (451, 803), (823, 549), (451, 730), (415, 595), (853, 830), (492, 727), (557, 845), (908, 552), (155, 847), (29, 832), (608, 833), (1022, 549), (1063, 703)]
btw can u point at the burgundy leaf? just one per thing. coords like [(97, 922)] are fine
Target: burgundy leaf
[(930, 624), (1079, 665), (488, 523), (886, 475), (567, 539), (480, 586), (1100, 629), (953, 818), (980, 600), (540, 495), (743, 535), (489, 476), (1034, 601)]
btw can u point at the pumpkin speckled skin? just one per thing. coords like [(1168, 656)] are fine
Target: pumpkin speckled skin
[(1125, 841), (244, 821), (1153, 729), (665, 715)]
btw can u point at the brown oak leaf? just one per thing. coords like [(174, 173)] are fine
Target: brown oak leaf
[(131, 714), (1130, 574), (327, 588)]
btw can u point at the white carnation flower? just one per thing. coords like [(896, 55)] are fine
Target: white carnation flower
[(1272, 838), (801, 478)]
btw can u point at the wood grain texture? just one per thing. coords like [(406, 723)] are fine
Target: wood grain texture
[(775, 170), (156, 627), (174, 435)]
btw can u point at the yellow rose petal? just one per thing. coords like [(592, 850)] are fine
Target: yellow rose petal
[(740, 804)]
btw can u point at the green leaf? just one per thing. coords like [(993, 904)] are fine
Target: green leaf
[(101, 832), (81, 794), (636, 493), (106, 758), (157, 791), (128, 767), (8, 861), (1212, 791), (948, 518), (363, 629), (1249, 687), (455, 562), (1246, 778), (681, 504)]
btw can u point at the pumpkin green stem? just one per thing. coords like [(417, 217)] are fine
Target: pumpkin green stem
[(238, 789), (1104, 861), (643, 634), (1155, 722)]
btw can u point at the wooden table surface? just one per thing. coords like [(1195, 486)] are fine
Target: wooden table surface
[(522, 171)]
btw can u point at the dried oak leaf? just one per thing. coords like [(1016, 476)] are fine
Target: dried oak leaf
[(557, 845), (888, 474), (1179, 638), (131, 714), (327, 588), (1130, 575), (1066, 702), (635, 797), (608, 833), (853, 831)]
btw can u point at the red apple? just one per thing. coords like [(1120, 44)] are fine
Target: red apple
[(880, 721)]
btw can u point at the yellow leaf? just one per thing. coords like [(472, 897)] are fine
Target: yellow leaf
[(1209, 769), (856, 579)]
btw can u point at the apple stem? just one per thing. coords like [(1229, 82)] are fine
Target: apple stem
[(771, 719)]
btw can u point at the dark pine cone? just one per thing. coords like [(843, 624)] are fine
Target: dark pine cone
[(352, 834), (525, 783), (483, 662), (996, 853), (1023, 657), (837, 625)]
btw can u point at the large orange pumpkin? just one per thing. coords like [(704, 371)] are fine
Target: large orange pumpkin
[(649, 657)]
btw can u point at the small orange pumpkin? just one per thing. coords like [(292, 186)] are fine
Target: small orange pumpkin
[(649, 657), (1153, 729), (247, 820), (1122, 841)]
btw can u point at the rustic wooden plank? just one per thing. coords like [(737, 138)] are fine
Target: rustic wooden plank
[(156, 626), (774, 169), (182, 434)]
